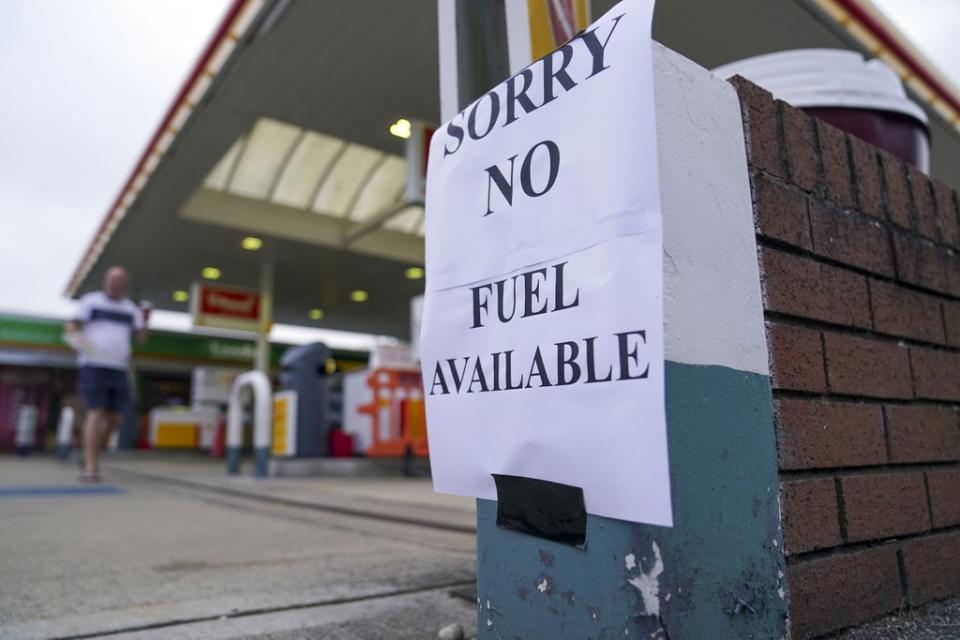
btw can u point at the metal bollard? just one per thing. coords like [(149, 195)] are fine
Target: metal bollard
[(262, 415), (65, 432), (26, 433)]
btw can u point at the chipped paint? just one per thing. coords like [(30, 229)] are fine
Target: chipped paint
[(648, 584), (717, 547)]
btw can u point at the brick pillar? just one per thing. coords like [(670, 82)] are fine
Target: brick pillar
[(861, 291)]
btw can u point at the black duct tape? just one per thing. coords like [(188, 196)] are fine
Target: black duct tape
[(541, 508)]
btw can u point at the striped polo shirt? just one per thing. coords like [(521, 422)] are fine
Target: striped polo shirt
[(108, 325)]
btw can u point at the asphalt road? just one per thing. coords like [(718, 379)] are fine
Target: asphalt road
[(171, 549)]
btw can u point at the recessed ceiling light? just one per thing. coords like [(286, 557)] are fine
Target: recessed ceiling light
[(401, 128), (316, 314), (359, 295), (210, 273), (180, 296), (251, 243), (414, 273)]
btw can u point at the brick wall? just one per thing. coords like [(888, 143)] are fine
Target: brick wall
[(860, 262)]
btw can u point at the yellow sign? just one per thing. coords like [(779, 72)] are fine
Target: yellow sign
[(284, 423), (554, 22), (175, 435)]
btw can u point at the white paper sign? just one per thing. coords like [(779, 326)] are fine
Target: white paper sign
[(542, 336)]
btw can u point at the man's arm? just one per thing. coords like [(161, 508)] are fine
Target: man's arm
[(140, 317), (73, 335)]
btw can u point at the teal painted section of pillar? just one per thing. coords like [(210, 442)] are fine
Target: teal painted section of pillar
[(717, 574), (261, 462), (233, 460)]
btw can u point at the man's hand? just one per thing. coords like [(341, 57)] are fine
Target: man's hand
[(73, 337)]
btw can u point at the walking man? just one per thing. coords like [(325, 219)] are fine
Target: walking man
[(100, 331)]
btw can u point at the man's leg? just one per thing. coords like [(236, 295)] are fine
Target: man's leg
[(94, 425), (114, 421)]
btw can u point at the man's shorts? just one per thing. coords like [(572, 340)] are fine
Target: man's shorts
[(105, 388)]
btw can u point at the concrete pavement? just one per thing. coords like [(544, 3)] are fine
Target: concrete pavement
[(175, 549)]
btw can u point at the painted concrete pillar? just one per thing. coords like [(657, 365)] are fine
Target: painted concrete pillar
[(262, 358), (719, 572)]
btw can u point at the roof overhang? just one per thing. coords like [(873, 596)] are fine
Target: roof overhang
[(319, 68)]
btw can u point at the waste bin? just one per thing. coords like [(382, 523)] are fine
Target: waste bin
[(865, 98), (303, 371)]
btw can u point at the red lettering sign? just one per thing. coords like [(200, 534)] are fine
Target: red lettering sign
[(229, 303)]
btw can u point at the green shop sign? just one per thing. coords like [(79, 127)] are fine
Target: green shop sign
[(44, 333)]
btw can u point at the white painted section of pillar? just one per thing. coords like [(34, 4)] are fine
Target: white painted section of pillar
[(713, 313), (262, 410), (262, 358), (518, 34), (447, 37)]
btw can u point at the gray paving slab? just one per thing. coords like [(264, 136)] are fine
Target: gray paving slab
[(406, 499), (416, 616), (80, 564)]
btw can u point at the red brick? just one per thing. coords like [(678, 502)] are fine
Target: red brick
[(951, 267), (947, 217), (932, 565), (805, 288), (923, 203), (866, 172), (810, 519), (836, 165), (920, 262), (781, 213), (922, 433), (796, 358), (815, 434), (851, 239), (936, 373), (842, 590), (883, 505), (861, 366), (898, 193), (800, 146), (904, 312), (951, 313), (944, 489), (761, 122)]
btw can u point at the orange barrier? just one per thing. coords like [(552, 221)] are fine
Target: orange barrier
[(396, 413)]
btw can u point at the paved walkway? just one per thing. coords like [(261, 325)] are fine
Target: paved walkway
[(169, 548), (934, 621)]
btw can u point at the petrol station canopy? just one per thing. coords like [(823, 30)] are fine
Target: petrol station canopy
[(282, 132)]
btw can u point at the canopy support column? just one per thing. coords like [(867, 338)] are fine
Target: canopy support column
[(262, 359)]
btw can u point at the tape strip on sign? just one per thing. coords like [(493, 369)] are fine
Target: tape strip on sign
[(542, 335), (543, 509)]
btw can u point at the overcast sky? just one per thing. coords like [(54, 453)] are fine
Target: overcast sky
[(933, 26), (83, 85)]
